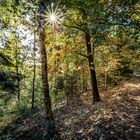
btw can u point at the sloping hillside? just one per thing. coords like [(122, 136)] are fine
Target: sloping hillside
[(117, 117)]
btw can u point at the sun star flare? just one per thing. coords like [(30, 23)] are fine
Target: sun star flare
[(53, 16)]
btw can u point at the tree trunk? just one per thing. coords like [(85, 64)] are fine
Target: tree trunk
[(17, 72), (34, 69), (105, 80), (18, 83), (47, 100), (95, 92), (43, 54), (84, 78), (52, 133)]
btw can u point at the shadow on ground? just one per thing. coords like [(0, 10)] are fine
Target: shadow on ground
[(28, 127), (117, 117)]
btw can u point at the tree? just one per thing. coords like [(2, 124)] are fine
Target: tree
[(90, 54), (80, 21), (97, 20), (42, 36), (34, 64), (47, 100)]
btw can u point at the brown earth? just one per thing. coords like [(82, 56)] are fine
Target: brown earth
[(117, 117)]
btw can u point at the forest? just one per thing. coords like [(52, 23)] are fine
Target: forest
[(69, 69)]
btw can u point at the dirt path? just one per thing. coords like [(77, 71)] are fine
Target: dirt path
[(117, 117)]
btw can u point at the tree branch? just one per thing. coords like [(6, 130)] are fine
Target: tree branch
[(81, 54)]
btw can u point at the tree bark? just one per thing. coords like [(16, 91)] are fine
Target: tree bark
[(95, 92), (47, 100), (18, 83), (34, 69), (52, 133), (106, 80), (43, 54), (17, 72), (84, 78)]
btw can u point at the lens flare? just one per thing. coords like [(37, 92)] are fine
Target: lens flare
[(53, 16)]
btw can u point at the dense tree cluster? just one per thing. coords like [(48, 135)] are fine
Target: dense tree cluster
[(52, 52)]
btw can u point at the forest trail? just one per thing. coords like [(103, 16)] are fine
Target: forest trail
[(117, 117)]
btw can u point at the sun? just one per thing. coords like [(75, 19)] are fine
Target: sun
[(53, 16)]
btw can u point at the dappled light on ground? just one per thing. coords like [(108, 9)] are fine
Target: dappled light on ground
[(116, 117)]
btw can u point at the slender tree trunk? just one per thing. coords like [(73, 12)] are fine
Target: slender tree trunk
[(34, 69), (84, 78), (67, 74), (106, 80), (17, 73), (18, 83), (55, 82), (95, 92)]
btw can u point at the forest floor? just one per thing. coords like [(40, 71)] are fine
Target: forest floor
[(116, 117)]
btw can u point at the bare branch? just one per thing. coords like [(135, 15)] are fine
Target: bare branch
[(81, 54)]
